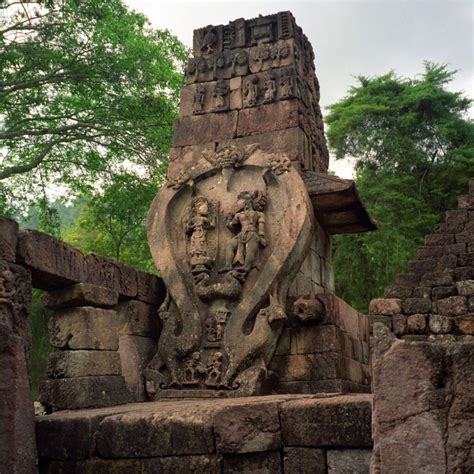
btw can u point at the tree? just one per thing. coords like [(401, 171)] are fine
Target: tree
[(113, 223), (87, 88), (414, 153)]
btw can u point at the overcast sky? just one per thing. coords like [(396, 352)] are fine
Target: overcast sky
[(349, 37)]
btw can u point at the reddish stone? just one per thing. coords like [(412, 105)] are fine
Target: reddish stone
[(388, 307), (466, 325), (416, 323)]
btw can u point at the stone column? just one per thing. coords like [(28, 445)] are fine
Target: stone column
[(17, 433)]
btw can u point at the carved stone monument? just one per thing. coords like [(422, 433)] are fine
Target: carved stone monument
[(230, 230)]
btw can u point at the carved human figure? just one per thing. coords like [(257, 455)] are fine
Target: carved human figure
[(197, 226), (251, 91), (214, 369), (192, 368), (211, 329), (221, 320), (209, 40), (221, 90), (270, 87), (286, 85), (249, 224), (199, 99)]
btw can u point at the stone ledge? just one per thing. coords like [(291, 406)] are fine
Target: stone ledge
[(205, 428)]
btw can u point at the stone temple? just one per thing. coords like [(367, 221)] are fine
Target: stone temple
[(240, 357)]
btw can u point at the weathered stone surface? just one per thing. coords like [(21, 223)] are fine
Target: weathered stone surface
[(339, 313), (416, 305), (439, 239), (304, 461), (399, 322), (422, 292), (440, 324), (193, 130), (84, 328), (267, 118), (338, 421), (135, 352), (398, 291), (464, 273), (103, 271), (315, 339), (53, 263), (416, 323), (379, 318), (348, 461), (308, 309), (440, 292), (84, 392), (465, 288), (80, 294), (8, 239), (150, 288), (67, 364), (385, 306), (466, 325), (151, 434), (205, 464), (247, 428), (452, 306), (136, 318), (268, 462), (95, 466)]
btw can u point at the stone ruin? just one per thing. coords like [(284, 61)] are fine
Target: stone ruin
[(240, 357)]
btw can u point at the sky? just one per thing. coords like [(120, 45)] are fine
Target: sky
[(350, 38)]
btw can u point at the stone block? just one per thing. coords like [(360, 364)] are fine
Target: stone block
[(204, 464), (54, 264), (315, 339), (385, 306), (80, 294), (304, 461), (422, 266), (466, 325), (466, 260), (379, 318), (465, 288), (95, 466), (268, 462), (103, 271), (348, 461), (155, 433), (430, 252), (439, 239), (455, 249), (399, 322), (194, 130), (447, 263), (466, 201), (407, 279), (284, 343), (84, 392), (363, 328), (247, 428), (440, 292), (268, 118), (416, 305), (335, 421), (150, 288), (398, 291), (440, 324), (416, 323), (136, 318), (84, 327), (452, 306), (67, 364), (340, 314), (8, 239), (436, 279), (135, 352)]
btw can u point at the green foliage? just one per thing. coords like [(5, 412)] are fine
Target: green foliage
[(414, 154), (86, 88), (113, 223)]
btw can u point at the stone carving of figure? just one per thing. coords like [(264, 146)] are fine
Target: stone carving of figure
[(286, 85), (221, 90), (221, 320), (270, 87), (196, 227), (199, 99), (214, 369), (249, 223), (209, 40), (192, 368), (251, 91)]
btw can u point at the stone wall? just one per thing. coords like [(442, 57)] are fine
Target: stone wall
[(423, 359), (269, 434)]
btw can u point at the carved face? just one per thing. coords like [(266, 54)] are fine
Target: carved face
[(202, 208)]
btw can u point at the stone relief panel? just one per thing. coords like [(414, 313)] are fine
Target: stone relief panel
[(227, 241)]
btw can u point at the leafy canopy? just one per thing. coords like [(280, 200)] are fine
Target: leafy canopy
[(87, 88), (414, 153)]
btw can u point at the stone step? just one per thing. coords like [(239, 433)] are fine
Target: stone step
[(275, 433)]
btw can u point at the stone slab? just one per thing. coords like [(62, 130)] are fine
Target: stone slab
[(81, 294), (135, 318), (150, 288), (304, 461), (67, 364), (348, 461), (84, 327), (84, 392), (267, 462), (54, 264), (334, 421)]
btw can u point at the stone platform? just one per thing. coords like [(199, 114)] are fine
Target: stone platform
[(267, 434)]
